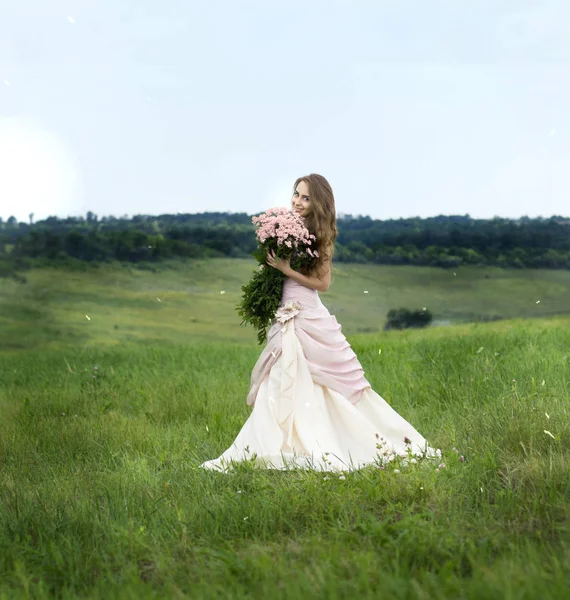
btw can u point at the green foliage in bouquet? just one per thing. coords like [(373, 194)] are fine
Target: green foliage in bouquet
[(261, 299)]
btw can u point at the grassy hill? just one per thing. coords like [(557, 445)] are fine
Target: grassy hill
[(103, 429), (195, 301)]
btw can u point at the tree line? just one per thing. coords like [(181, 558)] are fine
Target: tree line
[(443, 241)]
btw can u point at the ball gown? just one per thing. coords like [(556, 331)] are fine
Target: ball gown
[(313, 407)]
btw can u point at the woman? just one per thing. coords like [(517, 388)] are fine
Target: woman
[(312, 406)]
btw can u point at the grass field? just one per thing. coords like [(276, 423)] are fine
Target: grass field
[(102, 431), (113, 304)]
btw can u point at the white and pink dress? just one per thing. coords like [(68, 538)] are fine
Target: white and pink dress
[(312, 406)]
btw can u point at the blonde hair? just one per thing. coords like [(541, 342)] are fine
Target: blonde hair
[(321, 222)]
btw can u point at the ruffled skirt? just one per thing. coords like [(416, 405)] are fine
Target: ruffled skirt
[(312, 406)]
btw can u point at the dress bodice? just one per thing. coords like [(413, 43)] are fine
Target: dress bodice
[(293, 290)]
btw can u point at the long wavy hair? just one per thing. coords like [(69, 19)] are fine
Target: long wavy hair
[(321, 221)]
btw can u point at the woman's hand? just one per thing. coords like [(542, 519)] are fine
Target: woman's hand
[(281, 264)]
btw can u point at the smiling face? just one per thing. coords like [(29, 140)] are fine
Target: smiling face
[(301, 201)]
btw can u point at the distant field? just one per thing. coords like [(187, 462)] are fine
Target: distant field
[(184, 301)]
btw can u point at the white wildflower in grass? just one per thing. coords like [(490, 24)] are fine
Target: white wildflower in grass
[(222, 292), (366, 291), (342, 478), (396, 470), (480, 350), (413, 461), (538, 301), (379, 350)]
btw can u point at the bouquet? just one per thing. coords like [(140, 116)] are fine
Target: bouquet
[(283, 231)]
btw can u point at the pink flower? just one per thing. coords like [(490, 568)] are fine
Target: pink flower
[(283, 225), (289, 310)]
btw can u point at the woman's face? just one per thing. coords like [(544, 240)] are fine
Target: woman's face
[(301, 202)]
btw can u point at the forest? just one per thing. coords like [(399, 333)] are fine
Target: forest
[(442, 241)]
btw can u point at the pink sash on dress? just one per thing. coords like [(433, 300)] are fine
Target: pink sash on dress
[(330, 358)]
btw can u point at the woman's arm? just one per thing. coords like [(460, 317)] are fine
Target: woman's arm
[(321, 284)]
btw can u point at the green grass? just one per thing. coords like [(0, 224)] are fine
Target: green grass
[(101, 496), (182, 302)]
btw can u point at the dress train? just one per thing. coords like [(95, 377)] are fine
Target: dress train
[(312, 406)]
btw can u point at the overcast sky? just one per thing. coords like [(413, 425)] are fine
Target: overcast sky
[(408, 107)]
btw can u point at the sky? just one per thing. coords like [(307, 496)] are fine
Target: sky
[(408, 107)]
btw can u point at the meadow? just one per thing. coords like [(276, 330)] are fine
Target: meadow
[(116, 383), (195, 300)]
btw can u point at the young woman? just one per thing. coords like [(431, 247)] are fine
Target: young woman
[(312, 406)]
